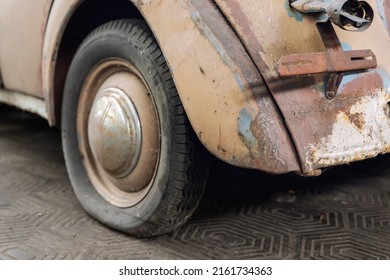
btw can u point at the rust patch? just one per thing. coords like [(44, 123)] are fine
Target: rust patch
[(347, 143), (326, 62), (357, 119), (243, 21), (232, 10), (356, 130)]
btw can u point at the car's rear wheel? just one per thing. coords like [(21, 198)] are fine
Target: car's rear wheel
[(131, 155)]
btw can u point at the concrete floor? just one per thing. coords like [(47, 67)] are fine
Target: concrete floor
[(344, 214)]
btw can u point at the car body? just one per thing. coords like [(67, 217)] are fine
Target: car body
[(264, 85)]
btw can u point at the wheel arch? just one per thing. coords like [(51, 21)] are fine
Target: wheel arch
[(68, 24)]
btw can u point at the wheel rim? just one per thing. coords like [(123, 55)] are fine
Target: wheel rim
[(118, 130)]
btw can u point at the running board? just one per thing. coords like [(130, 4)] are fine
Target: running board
[(24, 102)]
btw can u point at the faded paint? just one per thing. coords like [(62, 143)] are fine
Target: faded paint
[(60, 14), (362, 132), (244, 127), (23, 101), (211, 67), (22, 26), (349, 78), (326, 62), (309, 116), (292, 12)]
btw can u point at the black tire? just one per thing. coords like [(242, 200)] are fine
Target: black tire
[(181, 171)]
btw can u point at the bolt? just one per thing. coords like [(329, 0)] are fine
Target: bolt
[(330, 94)]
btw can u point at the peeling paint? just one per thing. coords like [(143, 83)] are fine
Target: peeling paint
[(346, 46), (292, 13), (25, 102), (206, 32), (211, 67), (244, 128), (361, 133), (308, 114), (218, 47), (347, 79)]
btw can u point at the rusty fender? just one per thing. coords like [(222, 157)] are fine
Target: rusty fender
[(225, 98), (352, 126), (223, 93)]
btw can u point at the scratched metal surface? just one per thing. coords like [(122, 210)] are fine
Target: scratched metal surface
[(345, 214)]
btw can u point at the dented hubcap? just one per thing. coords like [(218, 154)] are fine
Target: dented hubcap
[(118, 133), (114, 133)]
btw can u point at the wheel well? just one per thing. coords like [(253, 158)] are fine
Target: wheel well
[(88, 16)]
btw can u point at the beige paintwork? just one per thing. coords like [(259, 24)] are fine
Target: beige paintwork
[(22, 27), (217, 74), (60, 14)]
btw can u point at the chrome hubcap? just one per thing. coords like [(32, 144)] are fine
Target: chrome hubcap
[(114, 132), (119, 135)]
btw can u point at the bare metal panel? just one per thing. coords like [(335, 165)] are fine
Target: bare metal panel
[(22, 25)]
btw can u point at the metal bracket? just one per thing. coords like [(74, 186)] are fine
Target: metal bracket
[(326, 62), (334, 61)]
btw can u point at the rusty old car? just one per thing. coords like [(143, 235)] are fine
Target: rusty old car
[(141, 89)]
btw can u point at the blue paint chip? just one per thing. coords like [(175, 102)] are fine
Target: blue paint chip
[(346, 46), (244, 127), (292, 13)]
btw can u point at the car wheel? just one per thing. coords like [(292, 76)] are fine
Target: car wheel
[(132, 157)]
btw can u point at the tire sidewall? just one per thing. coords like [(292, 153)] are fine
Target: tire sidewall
[(115, 44)]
